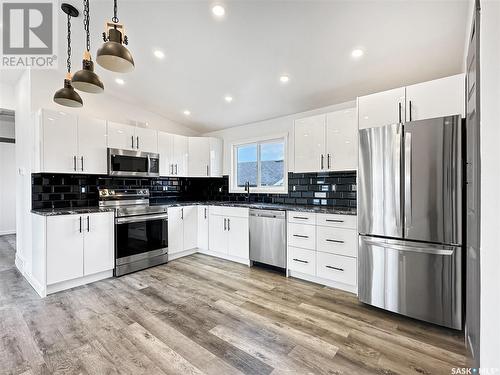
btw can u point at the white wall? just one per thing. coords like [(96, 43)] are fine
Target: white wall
[(105, 106), (7, 188), (490, 182), (270, 127), (7, 97)]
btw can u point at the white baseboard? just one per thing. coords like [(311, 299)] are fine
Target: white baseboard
[(181, 254), (19, 262), (319, 280), (42, 292), (78, 282), (6, 232), (225, 256)]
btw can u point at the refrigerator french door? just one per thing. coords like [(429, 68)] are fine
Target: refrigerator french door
[(410, 219)]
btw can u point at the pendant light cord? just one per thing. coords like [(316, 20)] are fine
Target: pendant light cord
[(115, 13), (68, 61), (86, 22)]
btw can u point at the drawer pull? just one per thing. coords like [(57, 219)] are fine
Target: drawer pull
[(300, 235), (335, 268), (301, 217), (336, 241), (334, 221), (300, 260)]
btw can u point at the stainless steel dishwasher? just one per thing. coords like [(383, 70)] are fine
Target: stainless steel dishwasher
[(268, 237)]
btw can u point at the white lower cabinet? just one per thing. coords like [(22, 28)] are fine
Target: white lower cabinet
[(228, 233), (203, 228), (182, 228), (323, 248), (75, 249)]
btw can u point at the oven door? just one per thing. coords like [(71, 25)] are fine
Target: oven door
[(132, 163), (141, 242)]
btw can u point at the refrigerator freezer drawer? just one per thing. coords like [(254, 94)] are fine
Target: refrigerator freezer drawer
[(422, 281)]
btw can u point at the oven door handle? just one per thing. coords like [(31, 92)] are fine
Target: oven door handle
[(136, 219)]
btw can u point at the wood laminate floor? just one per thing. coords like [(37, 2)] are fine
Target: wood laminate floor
[(204, 315)]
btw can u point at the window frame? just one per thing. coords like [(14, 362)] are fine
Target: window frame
[(233, 176)]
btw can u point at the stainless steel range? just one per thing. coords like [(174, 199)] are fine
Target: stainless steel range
[(141, 230)]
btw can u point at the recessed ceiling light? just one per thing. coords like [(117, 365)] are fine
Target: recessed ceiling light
[(120, 81), (187, 113), (218, 10), (284, 78), (159, 54), (357, 53), (228, 98)]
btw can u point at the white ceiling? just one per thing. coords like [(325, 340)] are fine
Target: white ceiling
[(244, 53)]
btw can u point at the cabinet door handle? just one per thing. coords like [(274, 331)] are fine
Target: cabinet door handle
[(132, 141), (300, 236), (225, 225), (182, 213), (336, 241), (176, 169), (88, 223), (328, 161), (410, 108), (399, 112), (334, 221), (228, 224), (322, 161), (81, 158), (300, 260), (137, 142), (74, 163), (80, 224), (205, 214), (207, 170), (335, 268)]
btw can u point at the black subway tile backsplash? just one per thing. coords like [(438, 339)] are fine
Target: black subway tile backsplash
[(66, 190)]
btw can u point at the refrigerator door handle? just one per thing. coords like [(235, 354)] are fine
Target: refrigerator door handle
[(408, 181)]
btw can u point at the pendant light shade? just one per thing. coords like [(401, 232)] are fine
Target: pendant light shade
[(113, 55), (85, 79), (67, 96)]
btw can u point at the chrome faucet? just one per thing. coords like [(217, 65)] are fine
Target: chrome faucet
[(247, 189)]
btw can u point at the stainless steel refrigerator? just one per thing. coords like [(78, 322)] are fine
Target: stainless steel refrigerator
[(410, 219)]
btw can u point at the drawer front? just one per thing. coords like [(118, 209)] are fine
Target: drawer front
[(338, 221), (337, 241), (336, 268), (301, 235), (302, 217), (302, 260)]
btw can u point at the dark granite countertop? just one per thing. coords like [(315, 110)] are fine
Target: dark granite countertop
[(262, 206), (70, 211)]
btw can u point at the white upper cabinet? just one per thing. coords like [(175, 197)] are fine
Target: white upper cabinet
[(121, 136), (215, 157), (180, 155), (310, 144), (166, 149), (59, 142), (341, 140), (146, 140), (92, 146), (381, 108), (199, 156), (437, 98)]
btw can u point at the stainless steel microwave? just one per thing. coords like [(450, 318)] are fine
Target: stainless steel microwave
[(133, 163)]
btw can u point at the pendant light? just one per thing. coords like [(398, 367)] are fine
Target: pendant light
[(113, 55), (85, 79), (67, 96)]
